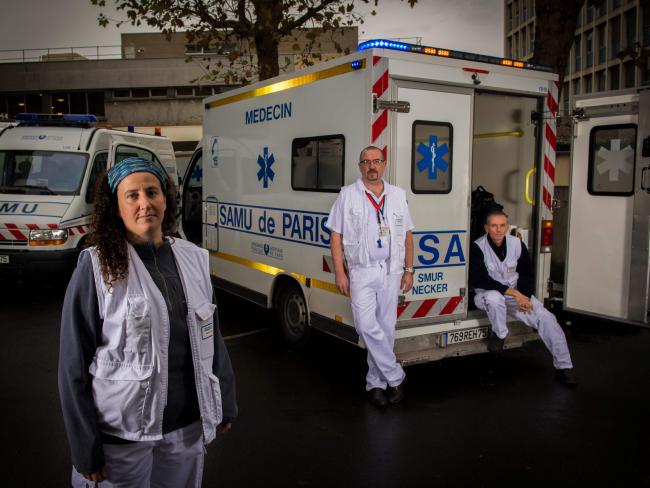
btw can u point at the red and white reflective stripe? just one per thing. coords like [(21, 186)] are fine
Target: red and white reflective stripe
[(550, 147), (328, 264), (13, 233), (79, 229), (379, 121), (432, 307)]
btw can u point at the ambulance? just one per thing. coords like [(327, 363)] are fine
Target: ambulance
[(275, 155), (606, 272), (48, 168)]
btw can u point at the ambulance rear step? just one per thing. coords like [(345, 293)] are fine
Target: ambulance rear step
[(423, 349)]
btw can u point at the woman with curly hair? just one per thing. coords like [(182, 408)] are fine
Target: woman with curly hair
[(145, 379)]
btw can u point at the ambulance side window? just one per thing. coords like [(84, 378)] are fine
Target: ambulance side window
[(99, 166), (317, 163), (612, 153), (123, 152), (431, 157)]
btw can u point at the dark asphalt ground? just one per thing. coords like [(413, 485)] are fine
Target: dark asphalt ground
[(475, 421)]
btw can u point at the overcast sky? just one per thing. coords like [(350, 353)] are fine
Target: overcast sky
[(466, 25)]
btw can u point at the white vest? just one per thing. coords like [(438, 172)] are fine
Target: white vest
[(357, 216), (130, 366), (505, 272)]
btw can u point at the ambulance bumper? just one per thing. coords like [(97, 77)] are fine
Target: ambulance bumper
[(49, 265)]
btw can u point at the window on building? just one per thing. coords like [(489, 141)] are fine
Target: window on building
[(158, 92), (431, 157), (646, 25), (601, 41), (590, 12), (615, 37), (587, 84), (96, 104), (589, 48), (614, 83), (628, 74), (600, 8), (616, 4), (122, 93), (531, 33), (600, 81), (565, 98), (515, 11), (612, 152), (576, 54), (317, 163), (630, 28), (204, 90), (185, 91), (524, 10), (77, 103), (509, 18), (34, 103), (524, 42), (576, 87), (579, 18), (140, 92)]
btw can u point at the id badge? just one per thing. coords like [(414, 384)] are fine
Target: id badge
[(384, 230)]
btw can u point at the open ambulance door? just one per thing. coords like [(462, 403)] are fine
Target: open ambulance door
[(192, 208), (432, 164), (640, 266)]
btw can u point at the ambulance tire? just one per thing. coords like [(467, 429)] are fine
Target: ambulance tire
[(292, 315)]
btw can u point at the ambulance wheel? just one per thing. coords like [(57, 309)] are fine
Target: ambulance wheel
[(292, 315)]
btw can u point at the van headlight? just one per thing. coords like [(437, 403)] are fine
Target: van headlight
[(47, 237)]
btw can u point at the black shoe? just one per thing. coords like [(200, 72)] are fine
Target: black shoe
[(566, 377), (396, 393), (377, 397), (495, 345)]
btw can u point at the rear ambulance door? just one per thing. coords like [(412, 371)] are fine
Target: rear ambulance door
[(432, 163), (192, 220), (640, 266), (597, 275)]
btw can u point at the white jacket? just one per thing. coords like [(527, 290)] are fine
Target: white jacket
[(130, 368), (505, 272), (358, 214)]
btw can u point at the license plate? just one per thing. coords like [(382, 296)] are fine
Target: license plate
[(465, 335), (4, 259)]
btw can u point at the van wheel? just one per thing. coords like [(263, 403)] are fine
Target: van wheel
[(292, 315)]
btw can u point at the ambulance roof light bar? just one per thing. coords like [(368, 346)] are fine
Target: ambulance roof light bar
[(448, 53), (62, 120)]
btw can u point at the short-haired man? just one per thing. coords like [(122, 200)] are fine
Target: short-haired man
[(372, 251), (501, 273)]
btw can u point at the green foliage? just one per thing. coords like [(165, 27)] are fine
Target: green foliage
[(246, 33)]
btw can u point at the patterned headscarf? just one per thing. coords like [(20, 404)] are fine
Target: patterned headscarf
[(134, 165)]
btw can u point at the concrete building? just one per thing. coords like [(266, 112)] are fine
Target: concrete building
[(604, 29), (147, 81)]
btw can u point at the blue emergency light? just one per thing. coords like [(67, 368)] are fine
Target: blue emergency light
[(448, 53), (69, 120)]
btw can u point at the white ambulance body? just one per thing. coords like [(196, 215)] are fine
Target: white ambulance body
[(275, 155), (48, 169), (606, 273)]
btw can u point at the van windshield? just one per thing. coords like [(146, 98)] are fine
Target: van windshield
[(41, 172)]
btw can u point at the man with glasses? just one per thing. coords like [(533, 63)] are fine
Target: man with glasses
[(372, 251)]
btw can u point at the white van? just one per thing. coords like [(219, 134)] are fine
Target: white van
[(48, 167), (275, 154), (607, 265)]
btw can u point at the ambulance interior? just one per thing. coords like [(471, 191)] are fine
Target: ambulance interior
[(504, 157)]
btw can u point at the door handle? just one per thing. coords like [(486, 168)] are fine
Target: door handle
[(529, 199), (643, 185)]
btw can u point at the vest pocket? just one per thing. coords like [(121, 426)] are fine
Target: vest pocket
[(120, 391), (215, 387), (205, 323), (138, 324), (398, 224)]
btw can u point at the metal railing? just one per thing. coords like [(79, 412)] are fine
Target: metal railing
[(74, 53)]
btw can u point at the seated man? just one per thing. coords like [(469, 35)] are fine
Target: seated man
[(501, 273)]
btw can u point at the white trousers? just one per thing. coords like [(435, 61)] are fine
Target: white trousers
[(175, 461), (498, 306), (374, 307)]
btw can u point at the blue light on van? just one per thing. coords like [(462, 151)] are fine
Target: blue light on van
[(70, 118)]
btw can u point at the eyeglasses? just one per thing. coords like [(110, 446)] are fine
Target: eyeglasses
[(377, 162)]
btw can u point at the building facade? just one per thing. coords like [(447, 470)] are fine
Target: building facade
[(605, 29), (147, 81)]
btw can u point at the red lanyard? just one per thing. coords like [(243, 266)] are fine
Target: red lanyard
[(379, 206)]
